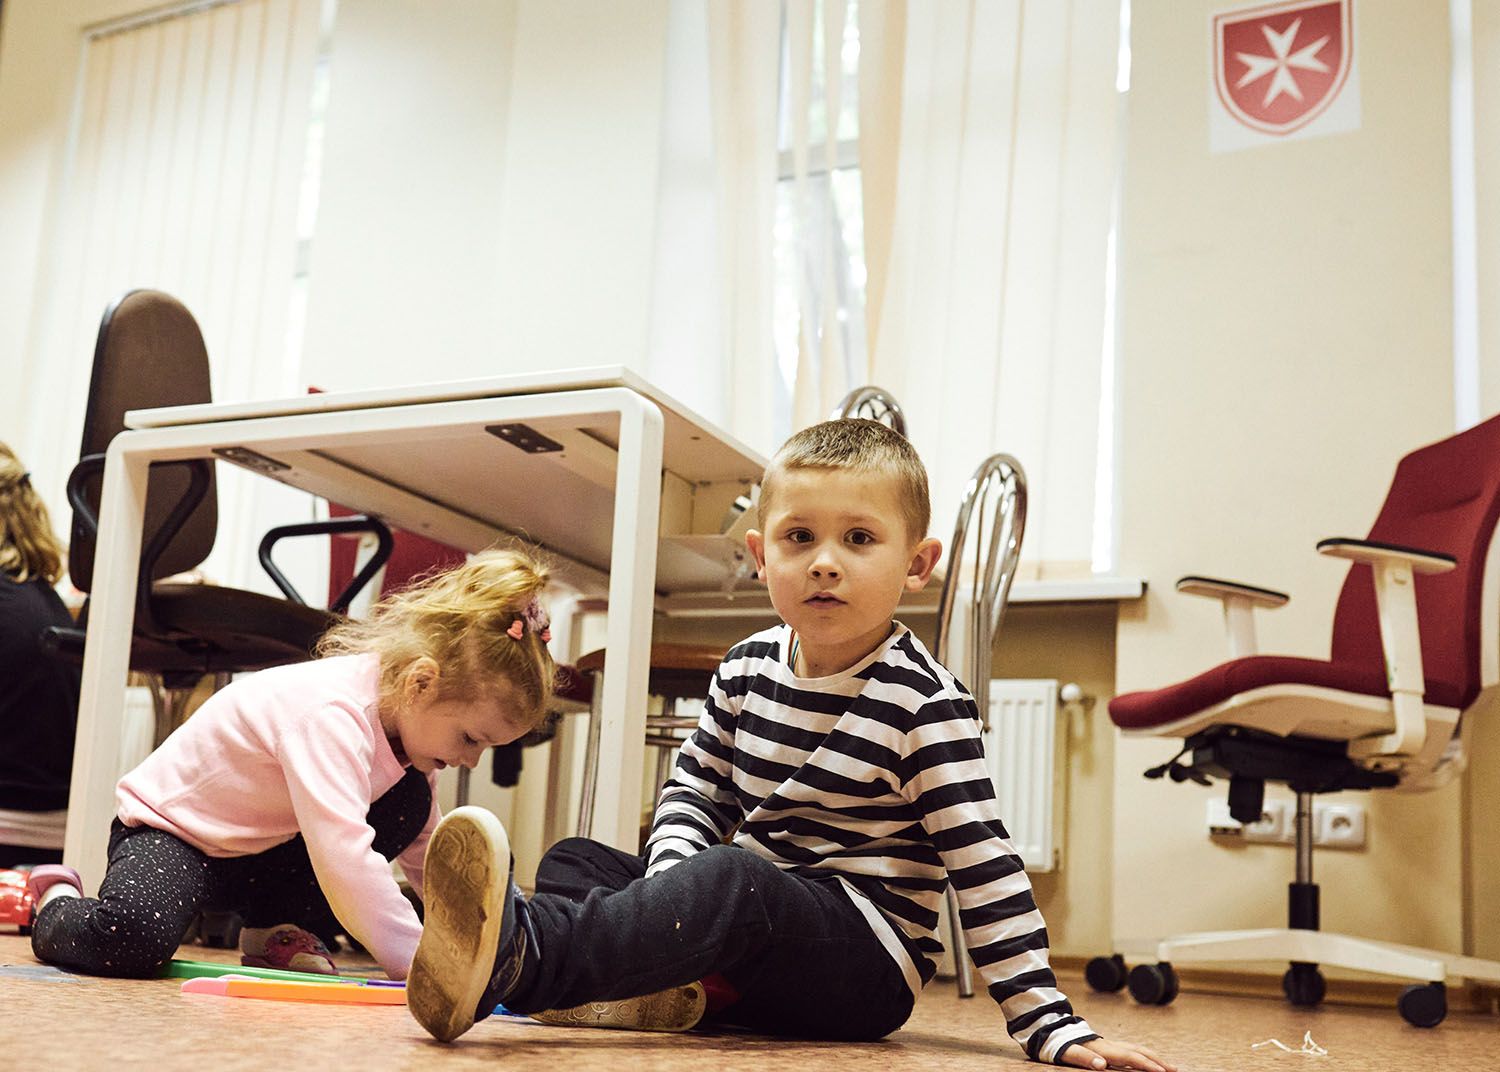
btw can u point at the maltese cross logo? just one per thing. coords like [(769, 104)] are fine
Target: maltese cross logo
[(1278, 66)]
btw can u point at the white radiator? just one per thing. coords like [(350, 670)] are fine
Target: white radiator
[(1026, 756)]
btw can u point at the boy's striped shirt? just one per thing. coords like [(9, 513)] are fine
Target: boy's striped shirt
[(876, 774)]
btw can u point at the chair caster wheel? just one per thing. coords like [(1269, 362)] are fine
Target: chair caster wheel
[(1105, 974), (1423, 1004), (1304, 985), (1153, 984)]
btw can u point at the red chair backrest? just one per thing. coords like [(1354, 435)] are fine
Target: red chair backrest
[(411, 556), (1444, 497)]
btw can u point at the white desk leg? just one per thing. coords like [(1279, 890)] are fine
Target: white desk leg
[(106, 661), (632, 587)]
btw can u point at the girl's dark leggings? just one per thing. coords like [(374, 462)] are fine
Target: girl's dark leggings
[(157, 883)]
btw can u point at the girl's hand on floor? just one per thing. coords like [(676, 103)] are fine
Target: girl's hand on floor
[(1102, 1054)]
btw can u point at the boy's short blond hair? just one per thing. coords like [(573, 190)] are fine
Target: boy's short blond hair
[(856, 445)]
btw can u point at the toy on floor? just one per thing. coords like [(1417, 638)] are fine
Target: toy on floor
[(205, 977), (15, 901), (205, 969), (347, 992)]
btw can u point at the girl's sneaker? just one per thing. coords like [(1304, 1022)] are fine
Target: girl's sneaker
[(287, 947), (678, 1008), (43, 877)]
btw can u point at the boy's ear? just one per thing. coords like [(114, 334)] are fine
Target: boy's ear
[(923, 561), (756, 543)]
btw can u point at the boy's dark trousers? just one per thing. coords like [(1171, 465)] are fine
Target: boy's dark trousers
[(802, 957)]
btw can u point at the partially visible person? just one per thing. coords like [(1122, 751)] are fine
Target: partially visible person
[(845, 768), (287, 794), (38, 693)]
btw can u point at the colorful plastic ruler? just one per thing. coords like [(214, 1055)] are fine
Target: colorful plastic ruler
[(284, 990), (204, 969)]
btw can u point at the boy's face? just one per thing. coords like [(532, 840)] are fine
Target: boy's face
[(836, 555)]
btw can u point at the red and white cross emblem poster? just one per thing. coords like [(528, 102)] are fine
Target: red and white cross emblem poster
[(1283, 70)]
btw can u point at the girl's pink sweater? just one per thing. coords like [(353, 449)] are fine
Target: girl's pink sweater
[(295, 749)]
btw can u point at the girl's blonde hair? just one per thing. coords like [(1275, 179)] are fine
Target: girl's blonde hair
[(465, 620), (28, 548)]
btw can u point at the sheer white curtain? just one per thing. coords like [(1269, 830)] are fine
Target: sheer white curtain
[(710, 342), (989, 155), (743, 51), (823, 262), (189, 134)]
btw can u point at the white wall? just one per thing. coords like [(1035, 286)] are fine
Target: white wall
[(1286, 337), (405, 256), (489, 190)]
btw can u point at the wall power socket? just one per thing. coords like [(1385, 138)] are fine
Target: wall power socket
[(1335, 825)]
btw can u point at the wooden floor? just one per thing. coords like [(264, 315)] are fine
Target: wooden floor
[(81, 1023)]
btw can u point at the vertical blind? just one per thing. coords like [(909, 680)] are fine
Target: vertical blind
[(183, 175)]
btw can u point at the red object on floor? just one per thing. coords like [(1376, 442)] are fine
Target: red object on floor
[(720, 993), (15, 900)]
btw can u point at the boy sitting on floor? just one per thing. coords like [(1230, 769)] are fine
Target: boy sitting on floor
[(850, 760)]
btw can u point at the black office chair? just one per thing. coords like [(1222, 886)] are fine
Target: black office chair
[(150, 353)]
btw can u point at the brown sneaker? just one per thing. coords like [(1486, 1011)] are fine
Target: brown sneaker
[(676, 1009), (470, 934)]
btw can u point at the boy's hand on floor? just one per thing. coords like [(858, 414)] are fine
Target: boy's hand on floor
[(1102, 1054)]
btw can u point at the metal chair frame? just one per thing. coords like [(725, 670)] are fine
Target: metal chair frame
[(997, 493), (873, 403)]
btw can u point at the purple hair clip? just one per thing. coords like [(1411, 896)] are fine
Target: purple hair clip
[(533, 618)]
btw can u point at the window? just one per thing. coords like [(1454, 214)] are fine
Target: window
[(819, 233)]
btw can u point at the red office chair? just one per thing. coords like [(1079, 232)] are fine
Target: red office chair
[(1387, 709)]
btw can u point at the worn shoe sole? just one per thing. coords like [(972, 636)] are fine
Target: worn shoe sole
[(676, 1009), (466, 886)]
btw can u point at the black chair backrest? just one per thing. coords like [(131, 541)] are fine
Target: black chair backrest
[(1444, 497), (149, 353)]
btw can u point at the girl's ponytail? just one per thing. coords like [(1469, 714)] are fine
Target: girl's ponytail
[(482, 621)]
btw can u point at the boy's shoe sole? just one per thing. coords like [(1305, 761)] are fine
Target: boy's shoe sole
[(466, 886), (676, 1009)]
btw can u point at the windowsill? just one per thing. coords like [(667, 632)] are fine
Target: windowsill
[(1098, 589)]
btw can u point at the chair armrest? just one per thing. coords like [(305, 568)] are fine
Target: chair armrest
[(92, 465), (1214, 588), (334, 525), (1393, 569), (1373, 552), (1239, 602)]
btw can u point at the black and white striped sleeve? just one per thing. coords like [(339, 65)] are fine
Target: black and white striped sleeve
[(698, 807), (945, 778)]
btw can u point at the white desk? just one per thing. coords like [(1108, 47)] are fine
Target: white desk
[(631, 497)]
